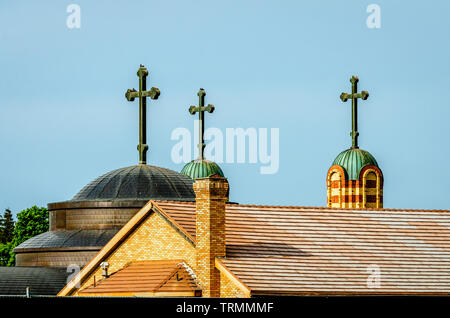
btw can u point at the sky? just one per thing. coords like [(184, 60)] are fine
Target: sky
[(64, 119)]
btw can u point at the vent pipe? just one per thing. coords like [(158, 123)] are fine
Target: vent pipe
[(104, 266)]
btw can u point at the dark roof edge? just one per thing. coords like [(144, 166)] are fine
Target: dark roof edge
[(105, 204), (58, 249)]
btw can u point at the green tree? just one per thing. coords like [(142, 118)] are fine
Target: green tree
[(6, 254), (30, 222), (6, 227)]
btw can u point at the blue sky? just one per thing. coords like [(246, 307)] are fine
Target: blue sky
[(64, 119)]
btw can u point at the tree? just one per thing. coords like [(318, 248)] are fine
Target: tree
[(6, 237), (6, 227), (6, 254), (30, 222)]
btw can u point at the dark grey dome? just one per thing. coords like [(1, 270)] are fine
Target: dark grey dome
[(138, 182)]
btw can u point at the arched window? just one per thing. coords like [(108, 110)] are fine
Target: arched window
[(335, 189), (371, 184)]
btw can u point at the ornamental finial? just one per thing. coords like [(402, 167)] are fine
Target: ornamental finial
[(201, 108), (142, 94), (354, 97)]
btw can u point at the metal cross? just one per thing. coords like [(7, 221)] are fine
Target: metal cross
[(354, 97), (201, 108), (142, 94)]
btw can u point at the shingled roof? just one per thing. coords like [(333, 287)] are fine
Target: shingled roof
[(138, 182), (61, 239), (283, 250), (302, 250), (42, 281), (147, 278)]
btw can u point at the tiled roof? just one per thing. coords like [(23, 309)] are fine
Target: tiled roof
[(68, 239), (138, 182), (295, 250), (146, 277), (124, 232), (43, 281)]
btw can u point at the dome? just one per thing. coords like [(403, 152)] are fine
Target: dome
[(201, 168), (136, 183), (353, 160), (80, 227)]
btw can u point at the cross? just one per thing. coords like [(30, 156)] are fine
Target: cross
[(354, 97), (142, 94), (201, 108)]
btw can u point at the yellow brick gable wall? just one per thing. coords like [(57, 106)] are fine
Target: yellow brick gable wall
[(154, 239), (228, 288)]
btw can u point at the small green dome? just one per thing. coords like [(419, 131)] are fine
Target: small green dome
[(353, 160), (201, 168)]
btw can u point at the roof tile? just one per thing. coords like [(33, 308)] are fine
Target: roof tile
[(295, 250), (146, 277)]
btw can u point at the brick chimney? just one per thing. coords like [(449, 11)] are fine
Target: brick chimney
[(211, 193)]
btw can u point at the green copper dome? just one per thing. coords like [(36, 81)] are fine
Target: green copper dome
[(353, 160), (201, 168)]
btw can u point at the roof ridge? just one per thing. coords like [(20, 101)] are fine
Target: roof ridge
[(335, 209), (305, 207), (173, 201)]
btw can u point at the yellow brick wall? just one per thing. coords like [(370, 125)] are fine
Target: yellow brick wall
[(371, 176), (228, 289), (211, 195), (367, 192), (154, 239), (336, 177)]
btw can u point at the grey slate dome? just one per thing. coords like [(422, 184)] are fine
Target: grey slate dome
[(80, 227), (138, 182)]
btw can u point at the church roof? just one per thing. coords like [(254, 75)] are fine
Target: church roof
[(201, 168), (353, 160), (138, 182), (295, 250), (42, 281), (306, 250), (68, 239), (147, 278)]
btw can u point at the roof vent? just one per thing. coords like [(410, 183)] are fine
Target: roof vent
[(104, 266)]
